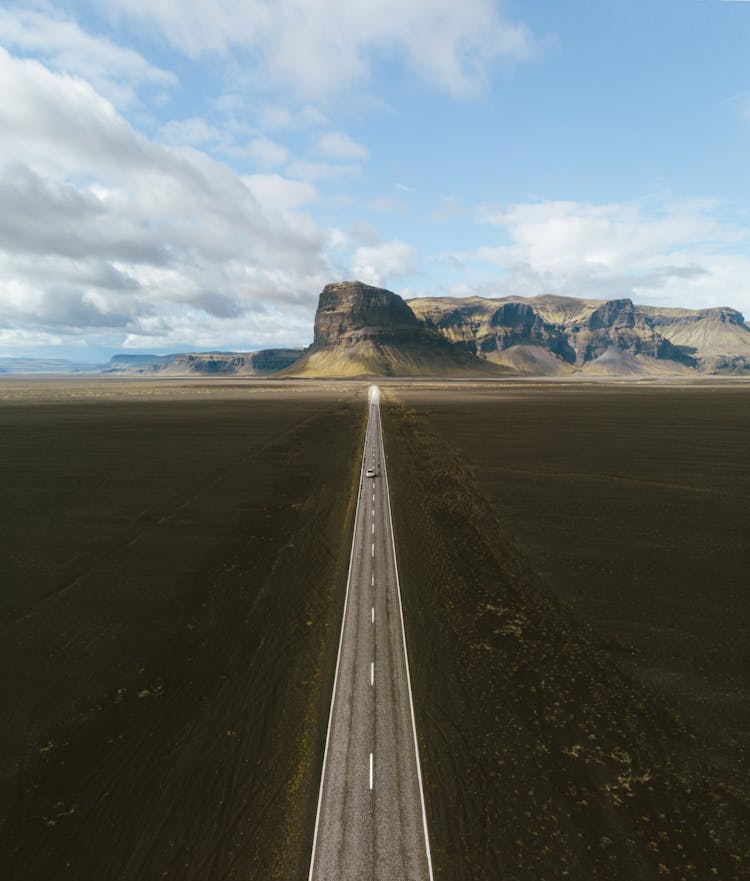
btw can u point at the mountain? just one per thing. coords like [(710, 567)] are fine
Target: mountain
[(717, 338), (26, 366), (362, 330), (557, 335), (263, 362), (365, 330)]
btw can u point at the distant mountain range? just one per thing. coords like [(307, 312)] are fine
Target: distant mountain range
[(204, 363), (259, 363), (361, 330), (43, 365)]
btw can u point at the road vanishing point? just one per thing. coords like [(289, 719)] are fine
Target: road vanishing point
[(371, 823)]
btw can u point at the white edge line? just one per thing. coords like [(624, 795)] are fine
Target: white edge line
[(360, 487), (370, 770), (406, 656)]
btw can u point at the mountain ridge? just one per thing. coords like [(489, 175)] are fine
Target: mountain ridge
[(261, 362), (363, 330)]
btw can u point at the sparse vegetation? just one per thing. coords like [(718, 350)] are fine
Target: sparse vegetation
[(176, 559), (544, 756), (175, 562)]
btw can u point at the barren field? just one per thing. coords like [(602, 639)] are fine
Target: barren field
[(574, 561), (174, 561)]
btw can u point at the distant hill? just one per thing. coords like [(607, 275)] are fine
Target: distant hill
[(261, 363), (365, 330), (21, 366), (204, 363)]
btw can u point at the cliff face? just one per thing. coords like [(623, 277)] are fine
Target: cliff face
[(352, 312), (364, 330), (717, 338), (548, 334), (486, 330), (620, 325)]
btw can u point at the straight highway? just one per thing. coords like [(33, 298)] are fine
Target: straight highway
[(371, 823)]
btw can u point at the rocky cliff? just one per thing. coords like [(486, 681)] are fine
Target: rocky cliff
[(361, 330), (364, 330), (558, 335)]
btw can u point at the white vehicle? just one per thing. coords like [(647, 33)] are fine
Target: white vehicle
[(370, 472)]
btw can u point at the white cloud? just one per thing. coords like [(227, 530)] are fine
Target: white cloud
[(64, 46), (613, 235), (366, 233), (230, 103), (319, 47), (268, 152), (278, 193), (229, 139), (195, 131), (377, 264), (678, 253), (274, 117), (337, 145), (103, 230)]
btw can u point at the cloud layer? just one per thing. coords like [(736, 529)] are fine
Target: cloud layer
[(320, 47), (102, 229), (138, 210), (115, 72), (683, 253)]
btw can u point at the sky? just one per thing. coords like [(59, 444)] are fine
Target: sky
[(187, 175)]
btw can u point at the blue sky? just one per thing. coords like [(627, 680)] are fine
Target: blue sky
[(189, 175)]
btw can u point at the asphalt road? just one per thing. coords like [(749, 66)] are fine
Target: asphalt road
[(371, 823)]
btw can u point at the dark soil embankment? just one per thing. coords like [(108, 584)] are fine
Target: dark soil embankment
[(177, 571), (541, 758)]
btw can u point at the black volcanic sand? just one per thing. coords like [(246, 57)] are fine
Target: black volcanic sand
[(574, 572), (174, 562)]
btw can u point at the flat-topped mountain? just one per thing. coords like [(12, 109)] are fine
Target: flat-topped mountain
[(204, 363), (362, 330), (365, 330)]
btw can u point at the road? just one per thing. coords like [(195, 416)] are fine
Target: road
[(371, 823)]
